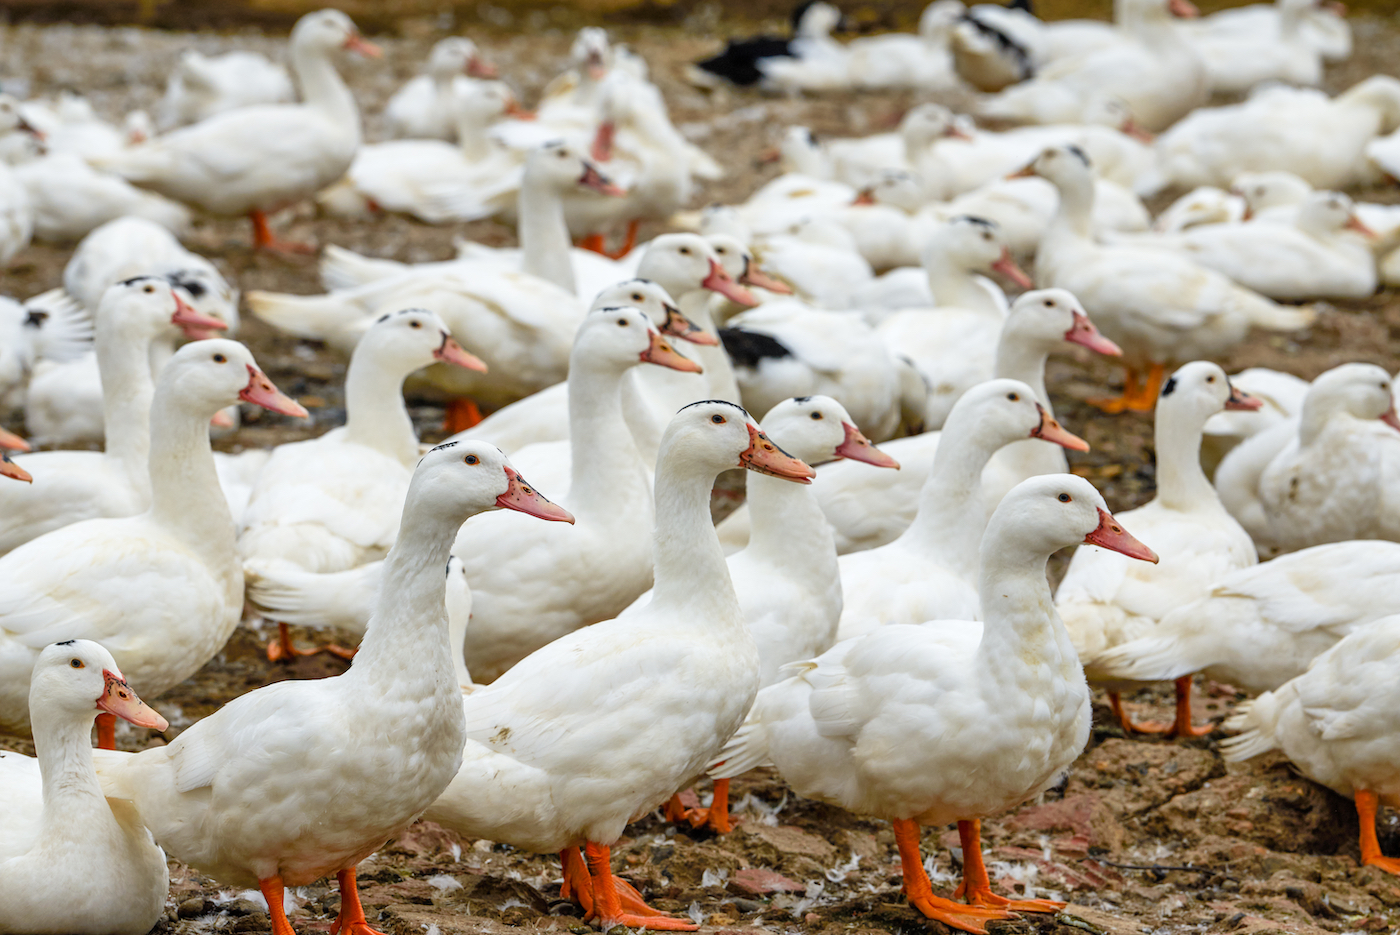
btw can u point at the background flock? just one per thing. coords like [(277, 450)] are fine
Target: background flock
[(540, 663)]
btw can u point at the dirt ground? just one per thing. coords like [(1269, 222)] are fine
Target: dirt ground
[(1144, 836)]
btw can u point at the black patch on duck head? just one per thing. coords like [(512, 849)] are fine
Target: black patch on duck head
[(1083, 156), (135, 279), (800, 399), (382, 318), (1169, 386), (974, 219), (749, 348), (445, 445), (706, 402), (66, 643)]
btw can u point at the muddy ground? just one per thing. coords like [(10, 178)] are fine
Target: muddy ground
[(1144, 836)]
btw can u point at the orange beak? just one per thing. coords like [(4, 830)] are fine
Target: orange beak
[(677, 325), (956, 132), (857, 447), (1241, 401), (1008, 268), (450, 352), (765, 457), (602, 148), (477, 68), (195, 324), (721, 282), (523, 498), (118, 698), (221, 420), (1026, 173), (1183, 9), (597, 181), (9, 469), (865, 197), (261, 391), (1354, 223), (360, 45), (1391, 418), (513, 109), (12, 441), (1110, 535), (1084, 333), (1130, 128), (754, 276), (661, 352), (1050, 430)]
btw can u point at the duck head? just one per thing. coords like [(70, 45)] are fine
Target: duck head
[(818, 429)]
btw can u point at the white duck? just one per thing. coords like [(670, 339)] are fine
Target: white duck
[(1327, 477), (70, 859), (1336, 723), (553, 762), (859, 161), (333, 503), (1105, 602), (1258, 627), (82, 485), (177, 562), (898, 61), (1321, 139), (423, 109), (930, 571), (70, 198), (953, 344), (48, 326), (1324, 26), (201, 86), (589, 572), (253, 160), (242, 795), (1154, 71), (16, 215), (65, 405), (1236, 61), (1324, 253), (880, 725), (406, 175), (868, 510), (1204, 204), (1159, 307)]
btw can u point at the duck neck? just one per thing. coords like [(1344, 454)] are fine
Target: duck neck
[(643, 421), (948, 526), (952, 285), (788, 527), (544, 236), (407, 630), (72, 795), (1021, 360), (127, 389), (1073, 215), (186, 497), (1020, 627), (472, 137), (1181, 483), (607, 474), (323, 89), (375, 414), (688, 562)]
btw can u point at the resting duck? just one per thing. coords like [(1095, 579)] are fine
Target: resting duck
[(333, 503), (82, 579), (1325, 253), (1159, 307), (1324, 26), (70, 859), (898, 61), (876, 724), (423, 109), (1237, 60), (930, 571), (1336, 724), (1325, 477), (1260, 626), (1155, 71), (1105, 602), (1301, 130), (83, 485), (201, 86), (253, 160), (240, 795), (682, 673), (759, 60), (70, 198)]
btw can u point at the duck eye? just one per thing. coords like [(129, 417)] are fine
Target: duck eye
[(471, 459), (717, 419), (1065, 498), (149, 289), (636, 297), (685, 251), (622, 323), (415, 324), (1049, 303), (1014, 397), (817, 416), (76, 663), (987, 237), (220, 359), (1210, 379)]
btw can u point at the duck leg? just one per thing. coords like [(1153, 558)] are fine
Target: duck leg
[(716, 817), (627, 244), (352, 919), (1180, 727), (282, 650), (1366, 802), (578, 885), (920, 892), (608, 908), (106, 731), (595, 243), (1116, 404), (462, 414), (977, 889), (675, 811), (272, 891), (1146, 398), (264, 239)]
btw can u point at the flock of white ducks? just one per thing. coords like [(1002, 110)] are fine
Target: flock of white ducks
[(882, 630)]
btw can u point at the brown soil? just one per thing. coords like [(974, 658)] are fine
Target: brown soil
[(1144, 836)]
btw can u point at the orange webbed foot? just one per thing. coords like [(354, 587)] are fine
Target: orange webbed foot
[(282, 650), (716, 817), (989, 900), (958, 915), (594, 243), (351, 919), (618, 903), (1388, 864)]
